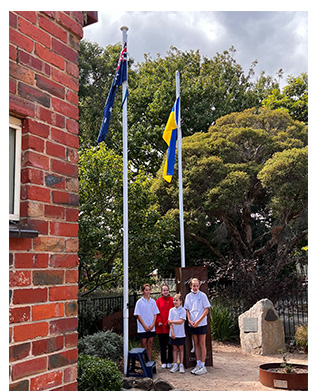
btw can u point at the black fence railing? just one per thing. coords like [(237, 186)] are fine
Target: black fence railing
[(292, 309)]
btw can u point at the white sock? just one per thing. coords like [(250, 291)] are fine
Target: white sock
[(202, 364), (198, 363)]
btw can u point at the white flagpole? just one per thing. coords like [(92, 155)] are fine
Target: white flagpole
[(124, 30), (183, 263)]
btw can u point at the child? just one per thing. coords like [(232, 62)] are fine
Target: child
[(197, 306), (146, 311), (177, 317), (164, 303)]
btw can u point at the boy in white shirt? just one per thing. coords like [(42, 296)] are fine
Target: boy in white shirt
[(177, 335)]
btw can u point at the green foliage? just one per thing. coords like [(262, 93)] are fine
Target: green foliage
[(98, 374), (103, 344), (224, 324), (293, 98), (301, 336)]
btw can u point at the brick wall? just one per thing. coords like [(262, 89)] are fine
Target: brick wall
[(43, 270)]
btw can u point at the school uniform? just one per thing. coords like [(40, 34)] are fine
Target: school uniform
[(147, 309), (178, 329), (164, 305), (196, 303)]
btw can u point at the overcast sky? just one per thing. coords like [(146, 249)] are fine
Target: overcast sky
[(276, 39)]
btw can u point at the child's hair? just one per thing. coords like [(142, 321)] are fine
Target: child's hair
[(165, 284), (194, 279), (144, 286), (178, 296)]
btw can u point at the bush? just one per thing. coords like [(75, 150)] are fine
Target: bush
[(301, 336), (103, 344), (98, 374), (224, 324)]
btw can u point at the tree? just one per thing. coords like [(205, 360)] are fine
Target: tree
[(245, 194), (293, 98), (100, 223)]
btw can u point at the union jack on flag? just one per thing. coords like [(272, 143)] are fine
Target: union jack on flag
[(119, 77)]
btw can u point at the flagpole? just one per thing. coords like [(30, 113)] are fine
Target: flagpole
[(183, 263), (124, 30)]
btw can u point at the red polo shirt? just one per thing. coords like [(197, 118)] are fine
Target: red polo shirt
[(164, 305)]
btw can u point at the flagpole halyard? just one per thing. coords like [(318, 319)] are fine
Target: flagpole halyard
[(124, 30)]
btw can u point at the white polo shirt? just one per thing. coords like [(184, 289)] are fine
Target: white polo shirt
[(147, 309), (177, 314), (196, 304)]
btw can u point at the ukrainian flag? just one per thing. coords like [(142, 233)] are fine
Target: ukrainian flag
[(170, 137)]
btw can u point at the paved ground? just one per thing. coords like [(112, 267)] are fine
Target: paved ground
[(232, 370)]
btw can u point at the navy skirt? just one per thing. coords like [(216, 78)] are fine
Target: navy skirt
[(147, 334), (197, 330), (177, 341)]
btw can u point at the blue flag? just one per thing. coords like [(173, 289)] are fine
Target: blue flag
[(170, 137), (119, 78)]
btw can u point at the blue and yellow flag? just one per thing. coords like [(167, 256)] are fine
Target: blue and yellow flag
[(170, 137)]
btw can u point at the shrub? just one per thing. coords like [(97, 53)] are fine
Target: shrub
[(98, 374), (301, 336), (224, 324), (103, 344)]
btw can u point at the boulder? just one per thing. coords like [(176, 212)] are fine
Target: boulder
[(261, 330), (162, 385)]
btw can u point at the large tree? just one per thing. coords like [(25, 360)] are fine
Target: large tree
[(245, 192)]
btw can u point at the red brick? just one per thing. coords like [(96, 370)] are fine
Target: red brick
[(46, 381), (13, 53), (72, 70), (39, 225), (48, 345), (72, 98), (30, 331), (34, 32), (64, 260), (48, 277), (66, 80), (64, 50), (21, 73), (12, 86), (29, 15), (33, 62), (65, 325), (32, 142), (71, 340), (53, 28), (20, 278), (58, 120), (72, 126), (70, 387), (29, 367), (63, 293), (20, 40), (72, 245), (50, 86), (65, 138), (72, 214), (13, 19), (19, 314), (26, 296), (65, 108), (54, 149), (35, 159), (50, 244), (30, 175), (50, 14), (18, 352), (52, 211), (20, 386), (20, 244), (37, 193), (33, 94), (60, 197), (71, 308), (70, 24), (48, 56), (36, 128), (62, 359), (70, 374), (63, 229), (65, 168), (31, 261), (21, 106), (72, 155), (47, 311)]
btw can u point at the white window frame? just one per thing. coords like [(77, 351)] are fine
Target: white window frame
[(15, 123)]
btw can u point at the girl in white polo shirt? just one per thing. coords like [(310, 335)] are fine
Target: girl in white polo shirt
[(177, 335), (197, 306), (146, 311)]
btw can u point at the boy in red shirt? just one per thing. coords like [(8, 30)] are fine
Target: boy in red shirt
[(164, 304)]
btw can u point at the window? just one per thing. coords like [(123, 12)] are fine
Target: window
[(14, 167)]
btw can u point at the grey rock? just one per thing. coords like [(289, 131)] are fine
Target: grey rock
[(162, 385)]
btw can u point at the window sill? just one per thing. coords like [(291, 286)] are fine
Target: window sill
[(20, 231)]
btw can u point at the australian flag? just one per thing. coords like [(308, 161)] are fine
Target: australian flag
[(119, 78)]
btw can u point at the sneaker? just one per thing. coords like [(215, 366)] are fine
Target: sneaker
[(163, 366), (195, 369), (174, 368), (169, 366), (201, 371), (181, 368)]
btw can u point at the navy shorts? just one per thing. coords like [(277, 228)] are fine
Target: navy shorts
[(177, 341), (197, 330), (147, 334)]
